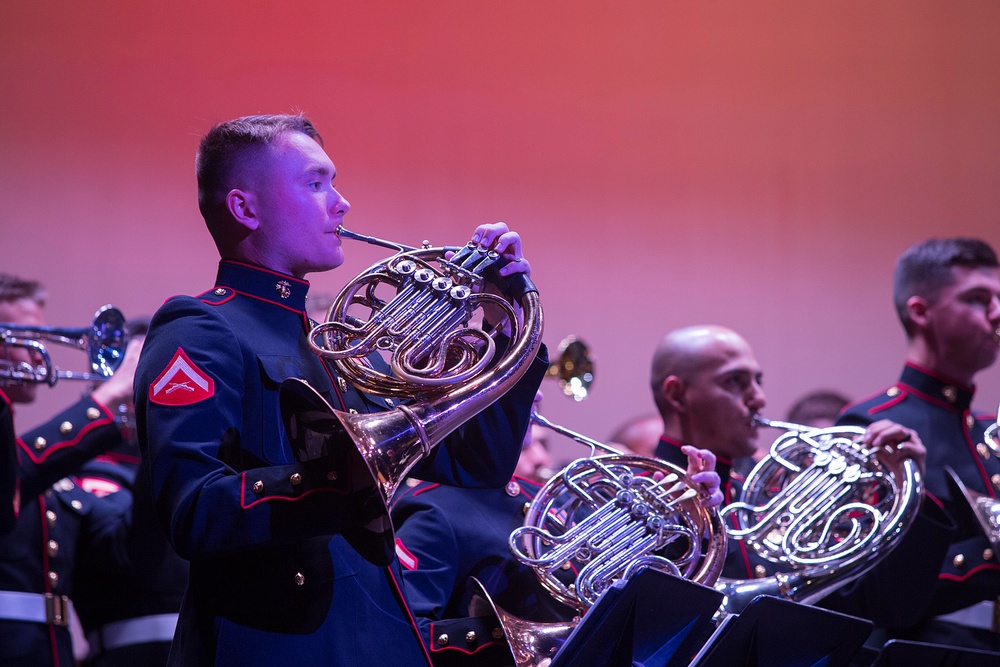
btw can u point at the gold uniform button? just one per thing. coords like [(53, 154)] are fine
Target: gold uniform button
[(759, 571), (567, 565), (470, 637), (53, 548), (513, 489), (958, 561), (332, 476), (258, 486), (987, 554), (352, 411), (342, 383), (983, 450), (996, 481), (892, 391), (300, 579), (40, 443), (77, 505), (970, 421), (389, 403), (497, 633), (442, 640), (93, 413), (50, 516), (220, 291), (295, 479), (524, 510), (65, 428), (54, 579), (950, 393)]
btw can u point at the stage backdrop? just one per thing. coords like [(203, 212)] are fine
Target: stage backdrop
[(757, 165)]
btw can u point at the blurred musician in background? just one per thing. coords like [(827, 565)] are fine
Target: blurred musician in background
[(273, 580), (947, 296), (447, 535), (640, 435), (129, 614), (55, 520)]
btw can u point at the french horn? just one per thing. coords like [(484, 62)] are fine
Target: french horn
[(611, 515), (823, 508), (418, 309)]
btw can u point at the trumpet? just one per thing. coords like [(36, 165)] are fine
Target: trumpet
[(104, 342)]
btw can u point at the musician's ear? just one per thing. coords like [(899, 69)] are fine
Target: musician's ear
[(674, 390), (916, 310), (242, 206)]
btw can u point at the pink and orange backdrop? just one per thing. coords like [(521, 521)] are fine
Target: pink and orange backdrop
[(753, 164)]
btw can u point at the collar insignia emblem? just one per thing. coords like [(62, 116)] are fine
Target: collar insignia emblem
[(284, 289)]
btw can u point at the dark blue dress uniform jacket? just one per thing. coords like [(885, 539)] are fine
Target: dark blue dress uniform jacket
[(939, 410), (55, 523), (447, 535), (272, 579)]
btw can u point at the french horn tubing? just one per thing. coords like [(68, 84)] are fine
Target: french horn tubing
[(823, 508), (611, 515), (419, 310)]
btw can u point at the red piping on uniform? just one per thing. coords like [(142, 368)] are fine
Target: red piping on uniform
[(219, 302), (978, 568), (426, 488), (409, 614), (937, 376), (891, 402), (243, 491), (67, 443), (259, 298)]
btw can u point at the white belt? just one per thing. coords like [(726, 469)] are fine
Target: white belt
[(141, 630), (982, 616), (35, 607)]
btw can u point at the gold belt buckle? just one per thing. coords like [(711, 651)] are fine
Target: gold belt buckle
[(56, 609)]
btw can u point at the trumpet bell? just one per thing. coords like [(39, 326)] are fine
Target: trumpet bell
[(104, 341)]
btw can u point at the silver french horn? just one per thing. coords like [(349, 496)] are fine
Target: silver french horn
[(612, 515), (823, 508)]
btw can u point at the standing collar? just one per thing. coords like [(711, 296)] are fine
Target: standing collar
[(937, 387), (272, 286)]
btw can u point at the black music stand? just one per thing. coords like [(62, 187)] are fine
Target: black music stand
[(779, 633), (654, 620), (898, 653)]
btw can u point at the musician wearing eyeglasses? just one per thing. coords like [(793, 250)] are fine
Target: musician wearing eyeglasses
[(947, 296), (275, 577), (54, 520)]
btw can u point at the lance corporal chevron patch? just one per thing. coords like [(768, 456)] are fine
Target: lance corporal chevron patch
[(181, 383)]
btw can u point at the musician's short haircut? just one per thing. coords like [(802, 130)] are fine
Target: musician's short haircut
[(229, 148), (926, 268), (13, 288)]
